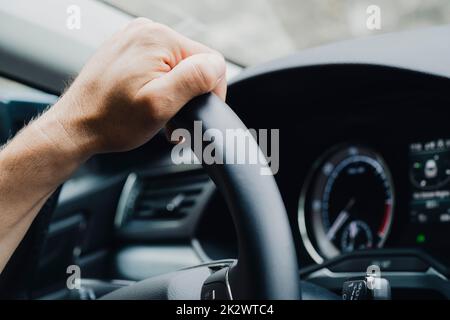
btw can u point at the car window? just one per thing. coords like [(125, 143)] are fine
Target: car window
[(253, 31)]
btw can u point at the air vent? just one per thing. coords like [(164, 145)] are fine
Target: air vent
[(173, 196)]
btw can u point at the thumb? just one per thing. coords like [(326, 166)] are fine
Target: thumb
[(193, 76)]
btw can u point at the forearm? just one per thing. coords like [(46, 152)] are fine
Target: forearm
[(32, 166)]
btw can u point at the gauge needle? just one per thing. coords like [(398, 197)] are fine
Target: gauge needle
[(340, 220), (353, 230)]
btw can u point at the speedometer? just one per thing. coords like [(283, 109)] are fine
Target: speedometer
[(347, 204)]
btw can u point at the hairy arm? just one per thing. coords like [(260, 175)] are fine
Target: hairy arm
[(127, 91), (32, 166)]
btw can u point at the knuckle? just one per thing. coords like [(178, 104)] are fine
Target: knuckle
[(149, 32), (137, 27), (158, 28), (139, 22)]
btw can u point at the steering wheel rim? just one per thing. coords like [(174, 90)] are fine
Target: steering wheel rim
[(267, 267)]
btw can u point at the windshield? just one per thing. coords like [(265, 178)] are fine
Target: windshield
[(253, 31)]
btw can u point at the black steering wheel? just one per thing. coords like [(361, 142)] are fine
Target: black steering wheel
[(267, 265)]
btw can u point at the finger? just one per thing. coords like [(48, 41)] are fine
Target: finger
[(189, 47), (181, 47), (193, 76), (221, 89)]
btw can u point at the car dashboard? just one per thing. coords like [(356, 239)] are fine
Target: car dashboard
[(363, 167)]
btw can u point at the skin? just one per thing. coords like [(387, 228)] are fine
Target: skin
[(129, 89)]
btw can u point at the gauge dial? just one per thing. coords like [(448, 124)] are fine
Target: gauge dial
[(430, 169), (349, 203), (356, 236)]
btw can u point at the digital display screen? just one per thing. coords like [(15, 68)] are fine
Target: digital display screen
[(429, 174)]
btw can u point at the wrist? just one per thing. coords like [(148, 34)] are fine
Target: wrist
[(62, 134), (68, 128), (40, 156)]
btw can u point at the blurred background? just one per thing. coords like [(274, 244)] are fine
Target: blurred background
[(253, 31)]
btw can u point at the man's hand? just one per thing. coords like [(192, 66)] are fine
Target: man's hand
[(134, 84), (128, 91)]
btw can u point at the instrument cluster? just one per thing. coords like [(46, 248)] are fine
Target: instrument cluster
[(349, 201)]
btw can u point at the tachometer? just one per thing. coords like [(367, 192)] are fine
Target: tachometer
[(348, 203)]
